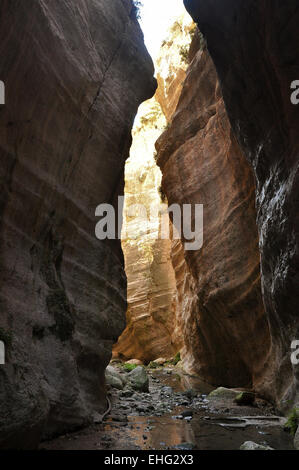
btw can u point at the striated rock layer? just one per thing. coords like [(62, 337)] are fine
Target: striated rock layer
[(75, 73), (222, 318), (153, 322), (254, 45), (151, 316)]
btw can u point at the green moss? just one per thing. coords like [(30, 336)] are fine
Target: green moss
[(129, 367), (184, 53), (293, 421)]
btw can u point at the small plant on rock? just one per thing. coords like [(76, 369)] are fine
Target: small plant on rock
[(129, 367), (176, 359), (292, 423)]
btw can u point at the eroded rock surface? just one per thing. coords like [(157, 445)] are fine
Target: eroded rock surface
[(75, 74), (256, 89), (225, 331), (151, 317)]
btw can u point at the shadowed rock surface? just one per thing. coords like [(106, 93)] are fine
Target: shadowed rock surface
[(254, 45), (225, 331), (75, 74)]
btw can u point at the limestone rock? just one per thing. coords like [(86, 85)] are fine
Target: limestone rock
[(172, 62), (249, 445), (114, 378), (75, 74), (224, 394), (139, 379), (296, 440)]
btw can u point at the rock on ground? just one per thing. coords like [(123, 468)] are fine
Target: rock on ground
[(114, 378), (139, 379), (249, 445)]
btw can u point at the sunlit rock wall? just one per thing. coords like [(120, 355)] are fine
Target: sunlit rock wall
[(151, 329), (172, 62), (153, 321), (75, 74)]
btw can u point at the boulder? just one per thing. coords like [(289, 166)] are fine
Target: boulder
[(139, 379), (245, 398), (114, 378), (249, 445), (160, 361), (224, 394), (296, 440)]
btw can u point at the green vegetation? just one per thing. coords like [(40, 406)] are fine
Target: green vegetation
[(176, 359), (292, 422), (184, 53), (153, 116), (129, 367)]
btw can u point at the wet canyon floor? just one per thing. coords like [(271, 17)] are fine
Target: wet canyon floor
[(177, 415)]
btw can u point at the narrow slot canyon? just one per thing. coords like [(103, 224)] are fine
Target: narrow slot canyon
[(115, 336)]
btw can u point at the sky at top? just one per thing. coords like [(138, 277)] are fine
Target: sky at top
[(156, 17)]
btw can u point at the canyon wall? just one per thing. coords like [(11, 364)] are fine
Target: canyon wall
[(221, 313), (153, 322), (254, 45), (75, 74), (150, 332)]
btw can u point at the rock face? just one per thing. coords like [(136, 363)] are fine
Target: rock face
[(172, 62), (256, 90), (75, 74), (225, 331), (151, 321)]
